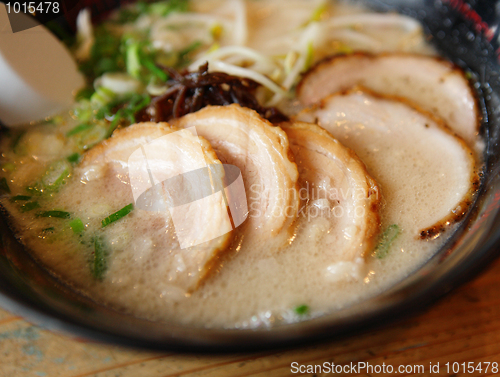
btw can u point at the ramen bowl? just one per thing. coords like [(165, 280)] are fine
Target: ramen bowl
[(461, 34)]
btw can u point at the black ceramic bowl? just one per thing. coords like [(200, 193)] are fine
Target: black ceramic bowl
[(466, 33)]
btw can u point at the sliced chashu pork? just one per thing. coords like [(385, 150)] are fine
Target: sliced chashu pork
[(187, 236), (427, 175), (242, 138), (431, 83), (340, 200)]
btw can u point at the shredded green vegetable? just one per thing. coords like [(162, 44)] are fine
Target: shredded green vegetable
[(78, 129), (77, 225), (52, 179), (54, 213), (184, 55), (133, 60), (16, 143), (153, 68), (102, 96), (302, 309), (20, 198), (100, 262), (4, 186), (56, 174), (106, 54), (163, 8), (84, 93), (74, 158), (117, 215), (387, 238), (127, 113), (29, 206)]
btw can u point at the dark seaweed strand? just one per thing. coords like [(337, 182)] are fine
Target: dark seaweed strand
[(190, 91)]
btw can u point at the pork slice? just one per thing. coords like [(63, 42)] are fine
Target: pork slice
[(435, 85), (427, 174), (341, 200), (261, 151), (170, 174)]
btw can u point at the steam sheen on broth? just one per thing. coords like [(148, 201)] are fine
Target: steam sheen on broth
[(361, 186)]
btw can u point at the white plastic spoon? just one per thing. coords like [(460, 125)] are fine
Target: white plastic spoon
[(38, 76)]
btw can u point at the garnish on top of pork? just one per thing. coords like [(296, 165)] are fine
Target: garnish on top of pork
[(427, 174), (433, 84)]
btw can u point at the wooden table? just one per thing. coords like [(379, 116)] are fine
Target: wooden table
[(463, 327)]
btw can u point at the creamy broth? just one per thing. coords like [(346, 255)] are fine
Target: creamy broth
[(258, 281)]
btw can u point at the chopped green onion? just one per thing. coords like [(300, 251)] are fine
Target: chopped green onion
[(102, 96), (55, 175), (107, 110), (164, 8), (133, 60), (92, 137), (184, 54), (29, 206), (302, 309), (136, 103), (83, 111), (4, 186), (57, 214), (386, 240), (20, 198), (77, 225), (119, 116), (85, 93), (101, 252), (47, 230), (74, 158), (150, 64), (16, 143), (78, 129), (117, 215), (106, 55)]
